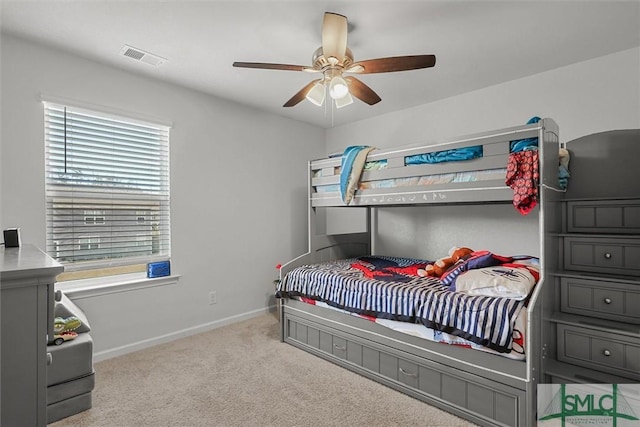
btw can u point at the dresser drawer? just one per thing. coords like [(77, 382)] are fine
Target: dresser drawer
[(601, 298), (607, 352), (604, 216), (619, 256)]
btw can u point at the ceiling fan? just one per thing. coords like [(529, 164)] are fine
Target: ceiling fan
[(333, 59)]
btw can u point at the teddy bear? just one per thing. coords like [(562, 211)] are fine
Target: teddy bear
[(440, 266)]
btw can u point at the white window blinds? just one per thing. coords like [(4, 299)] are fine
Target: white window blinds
[(107, 188)]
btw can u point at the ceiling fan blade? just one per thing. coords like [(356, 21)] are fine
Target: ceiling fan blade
[(362, 91), (302, 93), (394, 63), (267, 66), (334, 36)]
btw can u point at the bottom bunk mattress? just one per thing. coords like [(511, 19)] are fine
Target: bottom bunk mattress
[(418, 330), (389, 291)]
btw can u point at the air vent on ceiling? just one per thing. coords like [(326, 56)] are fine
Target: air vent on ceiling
[(142, 56)]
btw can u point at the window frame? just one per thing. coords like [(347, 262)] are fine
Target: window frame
[(107, 265)]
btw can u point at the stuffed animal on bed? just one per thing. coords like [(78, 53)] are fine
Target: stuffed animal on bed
[(440, 266)]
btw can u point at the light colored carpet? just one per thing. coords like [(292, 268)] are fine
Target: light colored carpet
[(242, 375)]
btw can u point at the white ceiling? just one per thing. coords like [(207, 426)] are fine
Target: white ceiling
[(477, 43)]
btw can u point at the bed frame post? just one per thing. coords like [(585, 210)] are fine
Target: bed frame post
[(542, 298)]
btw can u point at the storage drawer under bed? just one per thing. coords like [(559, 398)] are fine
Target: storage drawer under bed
[(492, 402), (610, 352)]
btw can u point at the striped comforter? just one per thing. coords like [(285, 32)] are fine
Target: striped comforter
[(487, 321)]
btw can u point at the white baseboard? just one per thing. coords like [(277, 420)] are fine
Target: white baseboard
[(150, 342)]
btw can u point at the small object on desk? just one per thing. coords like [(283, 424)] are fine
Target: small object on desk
[(158, 269), (12, 238)]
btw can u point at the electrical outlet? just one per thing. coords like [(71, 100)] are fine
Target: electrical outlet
[(213, 298)]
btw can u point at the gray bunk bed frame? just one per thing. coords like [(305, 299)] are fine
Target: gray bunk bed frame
[(483, 388)]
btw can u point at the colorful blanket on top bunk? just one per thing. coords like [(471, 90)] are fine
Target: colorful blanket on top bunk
[(391, 290), (352, 163), (354, 160)]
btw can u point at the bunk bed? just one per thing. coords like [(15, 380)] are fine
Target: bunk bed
[(487, 387)]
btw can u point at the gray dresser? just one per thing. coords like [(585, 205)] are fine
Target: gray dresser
[(27, 276), (593, 330)]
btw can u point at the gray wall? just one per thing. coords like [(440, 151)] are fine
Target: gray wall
[(237, 209), (584, 98)]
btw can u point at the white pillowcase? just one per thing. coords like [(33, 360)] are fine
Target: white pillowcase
[(498, 281)]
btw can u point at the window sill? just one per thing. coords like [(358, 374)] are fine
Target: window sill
[(88, 288)]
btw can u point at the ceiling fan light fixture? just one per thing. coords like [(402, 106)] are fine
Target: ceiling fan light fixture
[(317, 94), (338, 88), (344, 101)]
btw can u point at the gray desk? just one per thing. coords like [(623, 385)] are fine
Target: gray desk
[(27, 277)]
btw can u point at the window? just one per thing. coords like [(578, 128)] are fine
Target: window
[(107, 189), (93, 217), (87, 243), (141, 217)]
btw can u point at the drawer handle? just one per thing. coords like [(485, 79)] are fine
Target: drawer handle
[(607, 255), (409, 374), (340, 347), (607, 300), (606, 353)]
